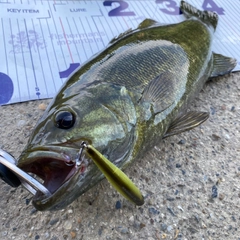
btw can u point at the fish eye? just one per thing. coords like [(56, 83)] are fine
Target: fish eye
[(64, 120)]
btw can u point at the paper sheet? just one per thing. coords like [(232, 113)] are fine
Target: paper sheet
[(43, 42)]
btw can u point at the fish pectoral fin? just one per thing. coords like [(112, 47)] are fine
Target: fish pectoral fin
[(222, 65), (186, 122), (161, 92)]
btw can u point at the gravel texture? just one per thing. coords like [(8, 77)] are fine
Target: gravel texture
[(190, 182)]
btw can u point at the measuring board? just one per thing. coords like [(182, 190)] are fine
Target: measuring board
[(43, 42)]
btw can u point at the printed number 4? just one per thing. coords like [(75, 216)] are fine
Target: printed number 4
[(118, 10), (210, 5)]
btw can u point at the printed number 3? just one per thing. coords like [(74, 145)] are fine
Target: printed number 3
[(118, 11), (173, 9)]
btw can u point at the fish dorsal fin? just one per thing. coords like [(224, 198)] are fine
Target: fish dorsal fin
[(161, 92), (148, 22), (144, 24), (186, 122), (209, 18), (222, 65), (120, 35)]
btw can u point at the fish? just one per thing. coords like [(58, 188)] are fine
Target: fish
[(122, 102)]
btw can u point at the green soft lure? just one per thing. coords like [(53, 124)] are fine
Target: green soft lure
[(115, 176)]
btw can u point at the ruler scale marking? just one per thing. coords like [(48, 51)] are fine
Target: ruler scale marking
[(41, 64), (64, 34), (68, 32), (54, 53), (31, 57), (80, 41), (48, 65), (75, 44), (16, 68), (24, 62), (99, 30), (57, 32), (5, 48)]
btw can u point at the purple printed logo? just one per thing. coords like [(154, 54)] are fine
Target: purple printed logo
[(77, 38), (24, 41)]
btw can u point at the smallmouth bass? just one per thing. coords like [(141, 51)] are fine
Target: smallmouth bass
[(122, 102)]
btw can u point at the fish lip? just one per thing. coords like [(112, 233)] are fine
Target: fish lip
[(59, 153), (55, 167)]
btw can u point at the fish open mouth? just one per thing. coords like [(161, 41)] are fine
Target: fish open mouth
[(52, 168), (53, 172)]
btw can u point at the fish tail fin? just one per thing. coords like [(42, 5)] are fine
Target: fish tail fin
[(209, 18)]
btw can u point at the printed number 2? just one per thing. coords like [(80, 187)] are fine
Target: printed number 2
[(210, 5), (173, 9), (118, 11)]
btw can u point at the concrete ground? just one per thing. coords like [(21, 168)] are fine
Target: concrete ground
[(190, 182)]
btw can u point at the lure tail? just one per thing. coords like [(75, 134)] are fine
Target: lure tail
[(209, 18)]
